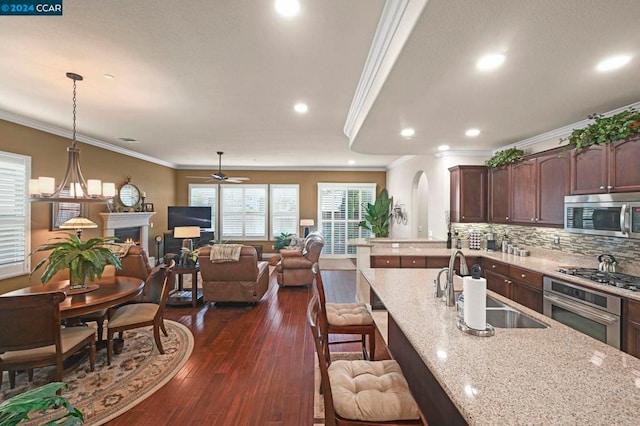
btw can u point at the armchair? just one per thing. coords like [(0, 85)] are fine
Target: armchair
[(294, 268), (246, 280)]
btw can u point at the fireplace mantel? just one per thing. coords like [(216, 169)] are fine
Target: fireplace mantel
[(113, 221)]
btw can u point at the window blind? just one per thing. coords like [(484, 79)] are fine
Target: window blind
[(244, 212), (205, 195), (340, 211), (285, 205), (15, 220)]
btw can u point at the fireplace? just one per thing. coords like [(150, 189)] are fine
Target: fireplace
[(125, 223), (129, 235)]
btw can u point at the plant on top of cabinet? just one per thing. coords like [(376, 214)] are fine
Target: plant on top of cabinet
[(377, 216), (507, 156), (606, 129)]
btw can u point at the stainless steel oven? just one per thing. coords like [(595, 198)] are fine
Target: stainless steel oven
[(589, 311), (614, 215)]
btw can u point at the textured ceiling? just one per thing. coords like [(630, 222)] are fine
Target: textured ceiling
[(193, 78)]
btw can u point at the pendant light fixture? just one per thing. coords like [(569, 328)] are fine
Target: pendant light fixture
[(73, 187)]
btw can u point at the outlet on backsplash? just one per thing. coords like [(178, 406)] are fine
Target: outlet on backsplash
[(556, 240)]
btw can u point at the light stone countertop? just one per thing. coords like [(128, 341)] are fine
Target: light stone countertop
[(519, 376), (542, 265)]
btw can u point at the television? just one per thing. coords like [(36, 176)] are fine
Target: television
[(189, 216)]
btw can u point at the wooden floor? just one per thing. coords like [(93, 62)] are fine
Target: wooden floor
[(250, 365)]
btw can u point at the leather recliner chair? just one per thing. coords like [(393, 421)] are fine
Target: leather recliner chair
[(245, 280), (294, 268)]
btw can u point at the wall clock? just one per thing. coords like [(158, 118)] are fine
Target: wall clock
[(129, 194)]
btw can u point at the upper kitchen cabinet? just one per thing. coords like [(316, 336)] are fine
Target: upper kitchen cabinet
[(468, 193), (523, 190), (606, 168), (553, 183), (499, 194)]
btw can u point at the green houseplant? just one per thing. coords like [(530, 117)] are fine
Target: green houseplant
[(377, 216), (282, 241), (17, 408), (86, 260), (606, 129), (507, 156)]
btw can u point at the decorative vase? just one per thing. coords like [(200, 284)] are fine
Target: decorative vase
[(448, 240), (77, 281)]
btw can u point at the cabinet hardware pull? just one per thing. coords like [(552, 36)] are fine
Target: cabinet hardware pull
[(601, 186), (609, 187), (507, 217), (523, 276), (387, 262), (414, 261), (493, 266)]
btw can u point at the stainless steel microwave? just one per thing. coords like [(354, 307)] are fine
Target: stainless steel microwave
[(613, 215)]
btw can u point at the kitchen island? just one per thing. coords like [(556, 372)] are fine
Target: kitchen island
[(554, 375)]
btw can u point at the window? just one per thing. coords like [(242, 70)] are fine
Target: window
[(202, 194), (285, 216), (15, 215), (340, 211), (243, 212)]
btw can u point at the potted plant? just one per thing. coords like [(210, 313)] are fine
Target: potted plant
[(86, 260), (377, 216), (17, 408), (507, 156), (606, 129), (283, 240), (188, 257)]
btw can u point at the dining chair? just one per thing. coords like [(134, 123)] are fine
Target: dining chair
[(346, 318), (360, 392), (135, 315), (31, 335)]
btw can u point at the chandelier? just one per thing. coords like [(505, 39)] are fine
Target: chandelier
[(73, 187)]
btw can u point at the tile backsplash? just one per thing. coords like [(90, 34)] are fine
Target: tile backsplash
[(583, 249)]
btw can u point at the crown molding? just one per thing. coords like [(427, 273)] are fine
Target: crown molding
[(396, 23), (400, 161), (443, 154), (59, 131), (286, 168), (564, 131)]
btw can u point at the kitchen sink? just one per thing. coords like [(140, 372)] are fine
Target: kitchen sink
[(494, 303), (506, 317)]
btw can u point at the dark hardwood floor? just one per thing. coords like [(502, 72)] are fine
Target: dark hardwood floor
[(250, 365)]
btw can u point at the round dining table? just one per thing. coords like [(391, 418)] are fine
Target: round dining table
[(110, 291)]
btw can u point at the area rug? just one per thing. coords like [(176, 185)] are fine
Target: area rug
[(336, 265), (318, 400), (136, 373)]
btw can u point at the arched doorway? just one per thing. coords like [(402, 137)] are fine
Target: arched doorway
[(419, 205)]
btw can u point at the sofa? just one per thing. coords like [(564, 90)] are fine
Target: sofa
[(245, 280), (294, 267)]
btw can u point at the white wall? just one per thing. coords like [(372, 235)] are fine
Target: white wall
[(401, 179)]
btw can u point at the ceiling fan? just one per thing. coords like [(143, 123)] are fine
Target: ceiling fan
[(219, 176)]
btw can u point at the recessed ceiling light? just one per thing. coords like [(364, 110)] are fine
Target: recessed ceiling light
[(443, 148), (490, 62), (301, 108), (613, 63), (109, 77), (128, 140), (472, 133), (352, 162), (408, 132), (287, 8)]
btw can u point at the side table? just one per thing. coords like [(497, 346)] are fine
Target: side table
[(182, 296)]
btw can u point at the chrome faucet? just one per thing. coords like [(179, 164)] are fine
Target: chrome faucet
[(464, 270), (436, 282)]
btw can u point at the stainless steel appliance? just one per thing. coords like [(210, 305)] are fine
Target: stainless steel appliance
[(615, 215), (591, 312)]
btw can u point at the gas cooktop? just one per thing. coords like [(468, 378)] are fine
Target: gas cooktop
[(616, 279)]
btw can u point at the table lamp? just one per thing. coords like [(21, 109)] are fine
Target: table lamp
[(186, 232), (78, 223), (306, 223)]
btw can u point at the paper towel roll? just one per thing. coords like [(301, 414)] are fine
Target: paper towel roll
[(475, 302)]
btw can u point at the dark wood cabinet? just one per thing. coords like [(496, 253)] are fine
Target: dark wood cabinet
[(385, 261), (606, 168), (499, 194), (468, 193), (413, 262), (624, 173), (632, 326), (554, 182), (498, 283), (538, 187), (523, 191), (526, 295)]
